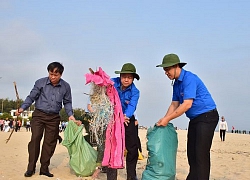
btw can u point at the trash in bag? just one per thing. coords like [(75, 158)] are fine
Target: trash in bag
[(82, 155), (162, 148)]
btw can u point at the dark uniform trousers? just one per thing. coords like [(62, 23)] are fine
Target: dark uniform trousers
[(47, 124), (200, 136), (131, 144)]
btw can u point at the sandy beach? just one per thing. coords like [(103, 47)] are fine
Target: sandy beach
[(230, 160)]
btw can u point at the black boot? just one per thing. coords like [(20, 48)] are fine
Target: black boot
[(111, 174)]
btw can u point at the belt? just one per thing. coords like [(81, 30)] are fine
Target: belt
[(50, 113), (213, 110)]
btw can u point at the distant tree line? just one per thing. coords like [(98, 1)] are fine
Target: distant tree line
[(6, 105)]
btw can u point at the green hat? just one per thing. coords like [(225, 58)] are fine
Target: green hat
[(171, 60), (128, 68)]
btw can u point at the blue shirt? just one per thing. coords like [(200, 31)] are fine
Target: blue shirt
[(190, 86), (128, 97), (49, 98)]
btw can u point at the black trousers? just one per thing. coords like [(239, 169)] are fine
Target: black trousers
[(131, 143), (200, 136), (222, 134), (47, 124)]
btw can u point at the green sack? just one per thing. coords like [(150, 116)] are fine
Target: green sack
[(82, 155), (162, 148)]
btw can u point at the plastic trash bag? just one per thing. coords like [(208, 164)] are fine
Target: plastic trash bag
[(162, 148), (82, 155)]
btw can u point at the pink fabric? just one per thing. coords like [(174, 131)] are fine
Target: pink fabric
[(99, 78), (115, 133)]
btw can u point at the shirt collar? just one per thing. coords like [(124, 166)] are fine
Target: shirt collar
[(48, 82), (182, 74)]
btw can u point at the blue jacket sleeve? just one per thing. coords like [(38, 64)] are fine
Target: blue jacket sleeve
[(132, 103)]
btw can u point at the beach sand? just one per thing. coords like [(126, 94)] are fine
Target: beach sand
[(230, 160)]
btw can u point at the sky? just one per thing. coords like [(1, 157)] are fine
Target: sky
[(211, 36)]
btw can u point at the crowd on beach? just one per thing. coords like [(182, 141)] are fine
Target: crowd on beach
[(9, 124)]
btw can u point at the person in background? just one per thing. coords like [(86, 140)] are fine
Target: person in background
[(1, 124), (223, 128), (190, 96), (11, 123), (60, 127), (28, 126), (63, 124), (18, 125), (129, 96), (49, 94), (232, 129), (6, 125)]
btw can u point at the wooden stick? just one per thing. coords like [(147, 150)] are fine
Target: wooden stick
[(91, 70), (17, 102)]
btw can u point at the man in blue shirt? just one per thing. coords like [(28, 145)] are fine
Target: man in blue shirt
[(49, 93), (129, 96), (190, 96)]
